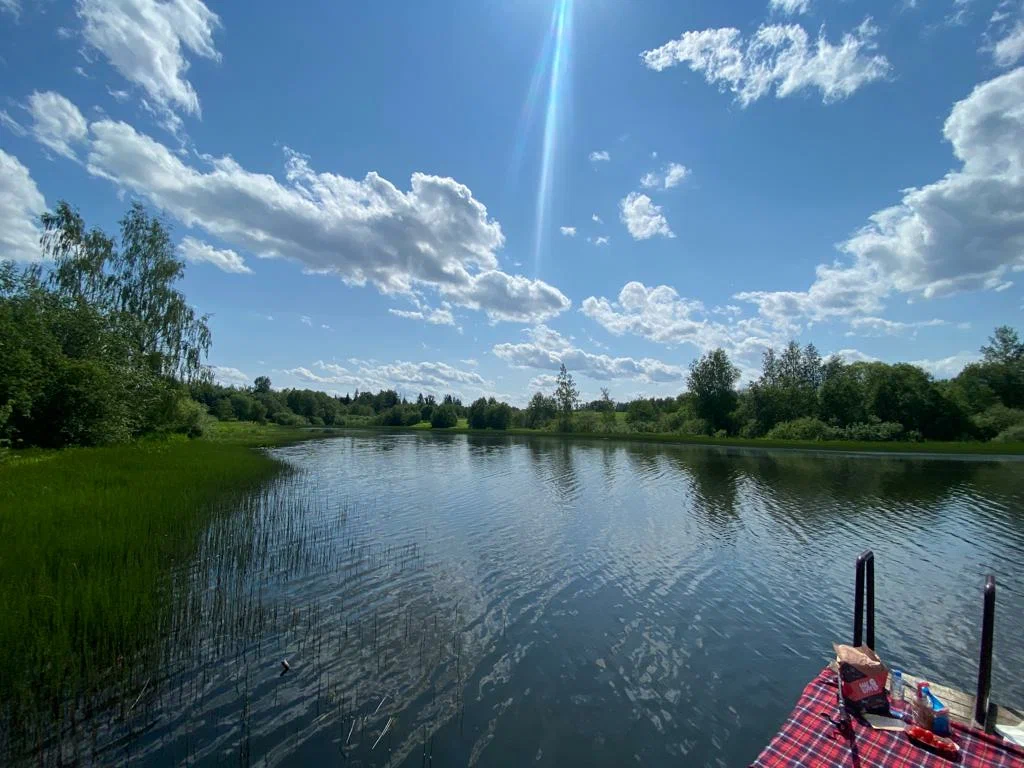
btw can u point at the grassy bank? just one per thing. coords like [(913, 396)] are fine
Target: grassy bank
[(88, 537), (948, 448)]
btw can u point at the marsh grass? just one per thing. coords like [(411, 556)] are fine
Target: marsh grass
[(87, 541)]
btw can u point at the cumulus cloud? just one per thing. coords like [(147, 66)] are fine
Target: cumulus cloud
[(224, 259), (947, 367), (642, 217), (146, 42), (599, 240), (432, 377), (20, 206), (568, 231), (600, 156), (963, 232), (661, 315), (547, 349), (854, 356), (230, 377), (879, 326), (434, 316), (56, 122), (779, 57), (790, 7), (596, 219), (436, 235), (671, 176)]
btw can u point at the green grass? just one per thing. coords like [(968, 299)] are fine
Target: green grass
[(88, 539)]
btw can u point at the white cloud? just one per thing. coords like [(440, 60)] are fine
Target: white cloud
[(966, 230), (434, 316), (600, 156), (1009, 49), (306, 320), (855, 356), (12, 7), (20, 206), (82, 73), (947, 367), (568, 231), (599, 241), (661, 315), (471, 362), (325, 327), (672, 176), (57, 123), (642, 217), (144, 41), (432, 377), (225, 259), (545, 382), (790, 7), (11, 124), (596, 219), (230, 377), (778, 56), (436, 235), (117, 95), (548, 350), (879, 326)]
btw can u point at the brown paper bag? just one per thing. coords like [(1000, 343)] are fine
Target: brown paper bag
[(863, 676)]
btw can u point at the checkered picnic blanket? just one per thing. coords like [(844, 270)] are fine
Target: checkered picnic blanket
[(808, 738)]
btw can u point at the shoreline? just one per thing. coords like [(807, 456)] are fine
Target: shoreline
[(950, 450)]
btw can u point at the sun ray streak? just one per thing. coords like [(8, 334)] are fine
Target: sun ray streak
[(560, 37)]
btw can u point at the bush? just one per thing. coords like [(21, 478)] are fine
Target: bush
[(879, 431), (288, 419), (695, 427), (1014, 434), (190, 418), (499, 416), (805, 428), (444, 417), (584, 421), (996, 420), (478, 414)]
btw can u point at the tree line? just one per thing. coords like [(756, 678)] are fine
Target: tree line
[(99, 346), (799, 395)]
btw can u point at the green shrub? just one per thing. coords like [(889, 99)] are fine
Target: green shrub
[(1014, 434), (444, 417), (190, 417), (585, 422), (805, 428), (879, 431), (695, 427), (288, 419), (995, 420)]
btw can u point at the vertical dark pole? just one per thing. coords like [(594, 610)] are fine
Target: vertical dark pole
[(988, 619), (858, 603), (870, 607)]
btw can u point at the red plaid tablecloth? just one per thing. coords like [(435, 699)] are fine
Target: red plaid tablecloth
[(809, 739)]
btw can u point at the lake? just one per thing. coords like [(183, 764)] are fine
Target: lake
[(509, 601)]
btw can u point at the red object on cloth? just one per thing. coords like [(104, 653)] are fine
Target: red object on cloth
[(808, 738)]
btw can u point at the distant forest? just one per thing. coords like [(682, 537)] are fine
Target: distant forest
[(100, 347), (798, 396)]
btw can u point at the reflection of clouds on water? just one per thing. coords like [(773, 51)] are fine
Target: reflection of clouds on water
[(560, 602)]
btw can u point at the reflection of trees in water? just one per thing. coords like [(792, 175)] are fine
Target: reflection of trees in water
[(486, 446), (552, 460)]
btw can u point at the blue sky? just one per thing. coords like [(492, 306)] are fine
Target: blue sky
[(459, 196)]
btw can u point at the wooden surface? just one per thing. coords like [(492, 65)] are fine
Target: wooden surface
[(961, 704)]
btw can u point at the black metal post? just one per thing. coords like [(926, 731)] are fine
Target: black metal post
[(988, 619), (865, 582), (858, 604), (870, 606)]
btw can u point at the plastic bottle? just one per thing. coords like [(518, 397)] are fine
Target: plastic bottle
[(896, 694)]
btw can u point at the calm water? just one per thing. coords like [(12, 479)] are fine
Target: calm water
[(513, 601)]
